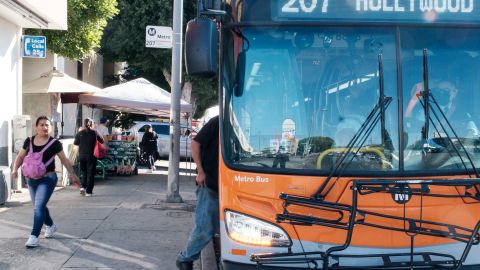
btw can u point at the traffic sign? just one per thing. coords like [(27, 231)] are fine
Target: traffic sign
[(34, 46), (158, 37)]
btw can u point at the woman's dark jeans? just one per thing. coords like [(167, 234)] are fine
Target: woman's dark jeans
[(88, 165), (151, 160), (40, 192)]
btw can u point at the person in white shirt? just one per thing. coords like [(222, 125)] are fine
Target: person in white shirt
[(102, 129)]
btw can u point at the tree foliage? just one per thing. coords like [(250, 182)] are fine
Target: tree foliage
[(86, 22), (205, 94), (124, 40)]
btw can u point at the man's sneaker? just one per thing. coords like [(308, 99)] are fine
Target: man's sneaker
[(50, 231), (32, 242), (82, 191), (89, 195)]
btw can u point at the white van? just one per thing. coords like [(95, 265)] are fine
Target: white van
[(163, 131)]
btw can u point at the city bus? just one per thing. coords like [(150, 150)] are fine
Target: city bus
[(349, 135)]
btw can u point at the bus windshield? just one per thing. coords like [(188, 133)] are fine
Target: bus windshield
[(307, 91)]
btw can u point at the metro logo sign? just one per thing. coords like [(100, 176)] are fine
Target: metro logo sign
[(158, 37), (403, 194)]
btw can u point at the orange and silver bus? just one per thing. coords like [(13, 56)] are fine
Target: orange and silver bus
[(349, 131)]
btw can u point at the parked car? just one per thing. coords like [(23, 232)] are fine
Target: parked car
[(163, 132)]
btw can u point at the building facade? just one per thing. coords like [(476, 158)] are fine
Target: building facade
[(16, 15)]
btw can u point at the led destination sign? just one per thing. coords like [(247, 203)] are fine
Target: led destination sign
[(399, 11)]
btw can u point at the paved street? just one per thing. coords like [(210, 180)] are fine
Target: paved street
[(125, 225)]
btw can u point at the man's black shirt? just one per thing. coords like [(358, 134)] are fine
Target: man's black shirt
[(208, 140)]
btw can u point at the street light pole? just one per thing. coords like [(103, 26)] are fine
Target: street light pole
[(173, 194)]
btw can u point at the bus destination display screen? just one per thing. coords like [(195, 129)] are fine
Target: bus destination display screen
[(394, 11)]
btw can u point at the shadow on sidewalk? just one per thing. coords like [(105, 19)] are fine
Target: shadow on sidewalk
[(114, 229)]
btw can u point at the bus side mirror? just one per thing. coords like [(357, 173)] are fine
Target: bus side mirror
[(240, 75), (212, 4), (201, 47)]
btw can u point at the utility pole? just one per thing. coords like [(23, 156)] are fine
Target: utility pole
[(173, 193)]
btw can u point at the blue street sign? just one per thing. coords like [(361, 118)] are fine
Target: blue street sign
[(34, 46)]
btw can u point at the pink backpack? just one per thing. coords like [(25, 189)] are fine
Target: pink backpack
[(33, 166)]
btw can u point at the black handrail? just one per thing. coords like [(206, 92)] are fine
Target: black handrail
[(358, 217)]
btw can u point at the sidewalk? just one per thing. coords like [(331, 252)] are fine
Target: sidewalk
[(124, 225)]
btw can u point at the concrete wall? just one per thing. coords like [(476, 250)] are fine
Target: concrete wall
[(10, 78), (69, 67), (114, 68), (93, 74), (36, 105), (33, 68), (93, 70)]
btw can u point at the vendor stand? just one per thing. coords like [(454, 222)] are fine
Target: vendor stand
[(138, 96), (122, 157)]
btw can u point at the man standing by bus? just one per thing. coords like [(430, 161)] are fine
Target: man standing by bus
[(205, 155)]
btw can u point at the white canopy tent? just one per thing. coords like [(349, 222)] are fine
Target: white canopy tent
[(55, 81), (59, 87), (209, 114), (137, 96)]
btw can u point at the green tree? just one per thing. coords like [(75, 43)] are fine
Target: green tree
[(124, 40), (86, 22)]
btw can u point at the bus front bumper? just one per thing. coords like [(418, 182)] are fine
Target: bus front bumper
[(240, 266)]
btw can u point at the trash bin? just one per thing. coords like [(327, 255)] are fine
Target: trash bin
[(5, 184)]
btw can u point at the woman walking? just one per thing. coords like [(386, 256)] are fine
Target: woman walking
[(86, 140), (37, 160), (149, 144)]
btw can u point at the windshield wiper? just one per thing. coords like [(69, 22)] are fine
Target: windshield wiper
[(426, 97), (387, 144), (432, 108), (384, 134), (377, 114)]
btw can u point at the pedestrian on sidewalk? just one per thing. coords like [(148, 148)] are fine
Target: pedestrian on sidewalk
[(102, 129), (86, 140), (38, 159), (149, 146), (205, 155)]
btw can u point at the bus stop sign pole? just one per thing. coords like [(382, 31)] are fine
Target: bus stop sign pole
[(173, 194)]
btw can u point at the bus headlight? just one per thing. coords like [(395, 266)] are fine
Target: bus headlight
[(249, 230)]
